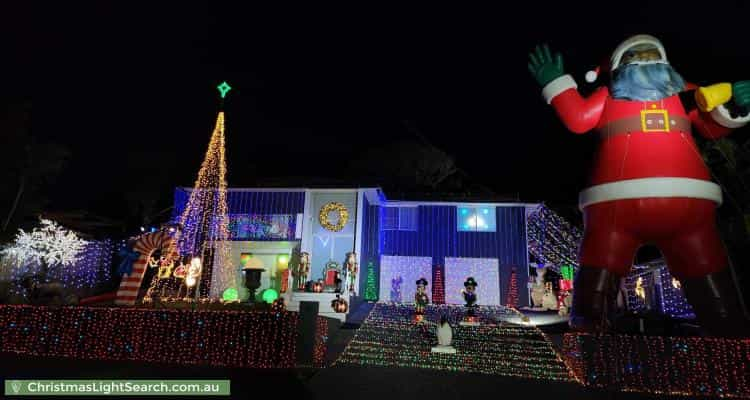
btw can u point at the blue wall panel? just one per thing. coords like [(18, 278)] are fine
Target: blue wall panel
[(437, 236)]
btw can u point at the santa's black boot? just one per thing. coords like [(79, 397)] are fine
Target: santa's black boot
[(594, 294), (717, 305)]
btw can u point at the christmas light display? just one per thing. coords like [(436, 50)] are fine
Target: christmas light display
[(551, 239), (144, 246), (262, 227), (92, 267), (205, 232), (321, 337), (673, 301), (511, 299), (484, 270), (371, 290), (48, 245), (438, 286), (183, 337), (408, 269), (652, 287), (390, 338), (687, 366)]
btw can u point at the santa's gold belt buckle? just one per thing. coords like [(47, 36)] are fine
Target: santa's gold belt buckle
[(654, 120)]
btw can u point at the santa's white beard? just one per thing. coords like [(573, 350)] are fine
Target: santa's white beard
[(646, 82)]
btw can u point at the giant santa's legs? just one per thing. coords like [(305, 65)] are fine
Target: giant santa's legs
[(717, 304), (698, 259), (594, 299)]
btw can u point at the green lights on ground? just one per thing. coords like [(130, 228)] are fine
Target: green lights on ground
[(230, 294), (270, 295)]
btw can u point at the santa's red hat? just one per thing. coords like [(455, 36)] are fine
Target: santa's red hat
[(594, 74), (613, 62)]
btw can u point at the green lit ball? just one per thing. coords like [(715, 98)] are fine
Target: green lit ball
[(269, 295), (230, 294)]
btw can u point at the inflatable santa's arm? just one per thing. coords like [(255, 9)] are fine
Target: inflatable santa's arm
[(559, 89), (721, 108), (578, 114)]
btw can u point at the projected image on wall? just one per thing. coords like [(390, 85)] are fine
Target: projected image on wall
[(398, 277), (476, 219), (484, 270)]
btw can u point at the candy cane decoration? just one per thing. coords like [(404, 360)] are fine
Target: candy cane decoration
[(146, 245)]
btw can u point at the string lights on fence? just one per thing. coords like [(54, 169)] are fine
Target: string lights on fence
[(184, 337)]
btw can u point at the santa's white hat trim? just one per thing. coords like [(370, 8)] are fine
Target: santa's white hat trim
[(650, 187), (634, 41)]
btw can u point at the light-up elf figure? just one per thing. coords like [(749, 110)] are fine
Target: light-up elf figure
[(649, 183), (420, 297)]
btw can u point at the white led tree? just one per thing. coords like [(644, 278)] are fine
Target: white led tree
[(48, 245)]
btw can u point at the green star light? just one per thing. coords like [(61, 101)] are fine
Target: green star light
[(224, 88)]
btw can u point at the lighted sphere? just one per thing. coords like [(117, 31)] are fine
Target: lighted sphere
[(269, 295), (230, 294)]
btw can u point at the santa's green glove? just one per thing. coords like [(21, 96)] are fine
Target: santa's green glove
[(543, 66)]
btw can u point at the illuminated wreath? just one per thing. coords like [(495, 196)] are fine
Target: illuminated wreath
[(340, 209)]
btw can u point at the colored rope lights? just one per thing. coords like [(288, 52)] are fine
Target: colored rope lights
[(389, 338), (184, 337), (691, 366)]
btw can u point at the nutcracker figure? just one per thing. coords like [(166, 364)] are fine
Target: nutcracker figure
[(649, 183), (420, 297), (351, 267), (303, 269)]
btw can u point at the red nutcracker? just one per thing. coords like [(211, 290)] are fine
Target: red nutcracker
[(649, 184)]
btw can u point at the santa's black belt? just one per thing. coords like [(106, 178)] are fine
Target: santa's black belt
[(648, 122)]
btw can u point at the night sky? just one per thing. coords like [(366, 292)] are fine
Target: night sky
[(130, 88)]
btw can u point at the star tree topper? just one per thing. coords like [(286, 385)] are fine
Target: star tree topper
[(224, 88)]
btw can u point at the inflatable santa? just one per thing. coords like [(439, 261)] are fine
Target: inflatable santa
[(649, 184)]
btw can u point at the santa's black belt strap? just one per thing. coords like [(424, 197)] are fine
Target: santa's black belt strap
[(650, 124)]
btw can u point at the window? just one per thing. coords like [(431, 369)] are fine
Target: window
[(476, 219), (399, 218)]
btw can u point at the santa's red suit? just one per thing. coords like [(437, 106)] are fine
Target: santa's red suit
[(649, 184)]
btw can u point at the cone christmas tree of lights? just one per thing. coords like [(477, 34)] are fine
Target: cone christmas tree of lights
[(438, 287), (511, 299), (205, 224), (371, 293)]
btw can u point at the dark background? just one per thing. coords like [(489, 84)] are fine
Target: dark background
[(127, 90)]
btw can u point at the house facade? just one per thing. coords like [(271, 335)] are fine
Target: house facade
[(394, 243)]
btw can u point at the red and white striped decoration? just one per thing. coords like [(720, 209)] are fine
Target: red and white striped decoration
[(146, 245)]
